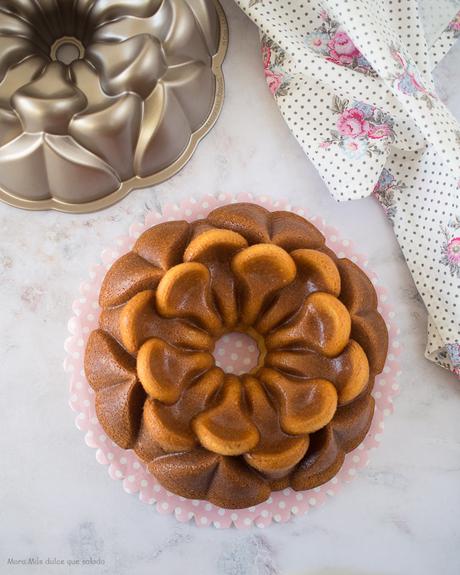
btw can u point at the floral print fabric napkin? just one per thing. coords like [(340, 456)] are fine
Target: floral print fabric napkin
[(353, 81)]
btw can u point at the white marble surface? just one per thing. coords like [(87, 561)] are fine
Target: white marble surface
[(400, 516)]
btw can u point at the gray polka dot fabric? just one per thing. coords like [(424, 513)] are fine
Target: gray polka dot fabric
[(353, 80)]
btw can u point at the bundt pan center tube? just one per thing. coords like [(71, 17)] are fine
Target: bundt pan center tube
[(98, 98), (205, 433)]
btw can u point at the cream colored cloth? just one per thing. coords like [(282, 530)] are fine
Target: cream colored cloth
[(353, 80)]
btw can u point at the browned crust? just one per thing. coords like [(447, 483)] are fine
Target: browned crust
[(193, 471)]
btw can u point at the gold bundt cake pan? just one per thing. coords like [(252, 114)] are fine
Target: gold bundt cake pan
[(207, 434), (125, 110)]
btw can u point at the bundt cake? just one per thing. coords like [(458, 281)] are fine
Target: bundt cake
[(207, 434), (98, 97)]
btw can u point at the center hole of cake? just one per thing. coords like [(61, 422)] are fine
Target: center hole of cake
[(67, 49), (237, 353)]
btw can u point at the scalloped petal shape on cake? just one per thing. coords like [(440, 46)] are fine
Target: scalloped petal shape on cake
[(262, 270), (215, 249), (226, 428), (277, 452), (322, 324), (128, 276), (306, 406), (171, 425), (185, 292), (166, 371), (138, 321), (316, 271), (163, 245)]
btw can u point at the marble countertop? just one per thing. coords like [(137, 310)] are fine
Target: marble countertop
[(399, 516)]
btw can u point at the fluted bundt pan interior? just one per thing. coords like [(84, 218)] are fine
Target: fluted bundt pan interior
[(99, 97)]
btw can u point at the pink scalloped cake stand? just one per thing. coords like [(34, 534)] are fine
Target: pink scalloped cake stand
[(234, 353)]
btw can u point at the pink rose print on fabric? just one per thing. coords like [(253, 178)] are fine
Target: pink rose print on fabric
[(453, 250), (331, 41), (454, 26), (342, 50), (407, 79), (360, 129), (450, 248), (352, 123), (453, 355), (384, 191), (354, 149), (266, 56), (379, 131), (274, 81), (318, 42), (275, 75)]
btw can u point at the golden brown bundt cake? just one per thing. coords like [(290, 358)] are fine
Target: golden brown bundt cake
[(207, 434)]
